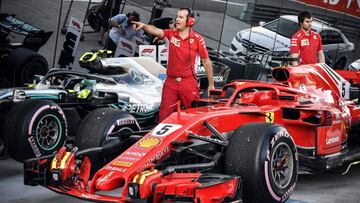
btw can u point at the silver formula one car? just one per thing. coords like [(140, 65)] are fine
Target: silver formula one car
[(37, 121)]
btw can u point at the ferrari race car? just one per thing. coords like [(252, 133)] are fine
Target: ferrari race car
[(38, 121), (246, 143), (19, 62)]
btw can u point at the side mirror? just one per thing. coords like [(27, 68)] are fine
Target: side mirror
[(262, 23), (215, 92)]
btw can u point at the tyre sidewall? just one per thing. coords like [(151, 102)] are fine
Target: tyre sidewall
[(21, 132), (275, 136), (32, 123)]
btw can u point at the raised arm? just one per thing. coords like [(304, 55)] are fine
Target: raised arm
[(150, 29)]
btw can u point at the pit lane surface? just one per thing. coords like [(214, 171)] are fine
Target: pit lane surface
[(320, 188)]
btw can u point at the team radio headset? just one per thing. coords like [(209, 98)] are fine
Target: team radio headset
[(190, 21)]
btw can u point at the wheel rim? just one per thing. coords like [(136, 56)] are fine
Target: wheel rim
[(31, 71), (282, 165), (48, 132)]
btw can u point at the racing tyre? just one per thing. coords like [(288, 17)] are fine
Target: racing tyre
[(95, 129), (23, 64), (265, 157), (34, 128)]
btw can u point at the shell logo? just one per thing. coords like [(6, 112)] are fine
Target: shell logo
[(149, 142)]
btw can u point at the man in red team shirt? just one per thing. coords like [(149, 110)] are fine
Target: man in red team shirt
[(306, 43), (184, 44)]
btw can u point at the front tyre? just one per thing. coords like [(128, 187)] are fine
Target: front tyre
[(265, 157), (95, 130), (34, 128)]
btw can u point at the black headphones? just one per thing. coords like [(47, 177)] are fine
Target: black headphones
[(135, 14)]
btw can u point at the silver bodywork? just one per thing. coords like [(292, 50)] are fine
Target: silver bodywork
[(137, 86)]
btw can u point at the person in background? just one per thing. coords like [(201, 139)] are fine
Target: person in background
[(104, 11), (306, 44), (184, 44), (122, 26)]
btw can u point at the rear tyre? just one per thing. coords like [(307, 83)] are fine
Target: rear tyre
[(23, 64), (34, 128), (265, 157), (94, 131)]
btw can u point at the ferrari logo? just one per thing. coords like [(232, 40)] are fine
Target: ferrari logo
[(149, 142), (269, 117), (315, 37), (191, 40)]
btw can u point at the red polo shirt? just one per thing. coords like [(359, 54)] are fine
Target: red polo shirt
[(180, 53), (307, 46)]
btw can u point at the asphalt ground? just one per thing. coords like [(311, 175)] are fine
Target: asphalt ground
[(319, 188)]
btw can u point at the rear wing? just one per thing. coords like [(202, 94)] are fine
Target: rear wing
[(13, 24)]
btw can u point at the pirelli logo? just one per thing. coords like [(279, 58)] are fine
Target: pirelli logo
[(122, 163)]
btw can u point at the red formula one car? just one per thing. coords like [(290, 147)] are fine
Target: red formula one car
[(247, 143)]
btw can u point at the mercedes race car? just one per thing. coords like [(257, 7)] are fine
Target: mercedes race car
[(246, 143), (19, 62), (37, 121)]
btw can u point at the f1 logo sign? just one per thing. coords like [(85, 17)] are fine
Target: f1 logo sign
[(147, 51), (76, 24), (164, 51), (126, 45)]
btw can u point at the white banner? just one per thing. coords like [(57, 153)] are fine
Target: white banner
[(148, 51), (162, 54), (139, 41), (71, 43), (125, 48)]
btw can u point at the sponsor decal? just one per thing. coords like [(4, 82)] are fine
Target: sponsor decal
[(304, 42), (282, 133), (126, 45), (106, 177), (269, 117), (138, 108), (149, 142), (164, 129), (34, 146), (175, 41), (129, 158), (332, 140), (125, 121), (288, 192), (158, 155), (138, 154), (122, 163), (117, 169)]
